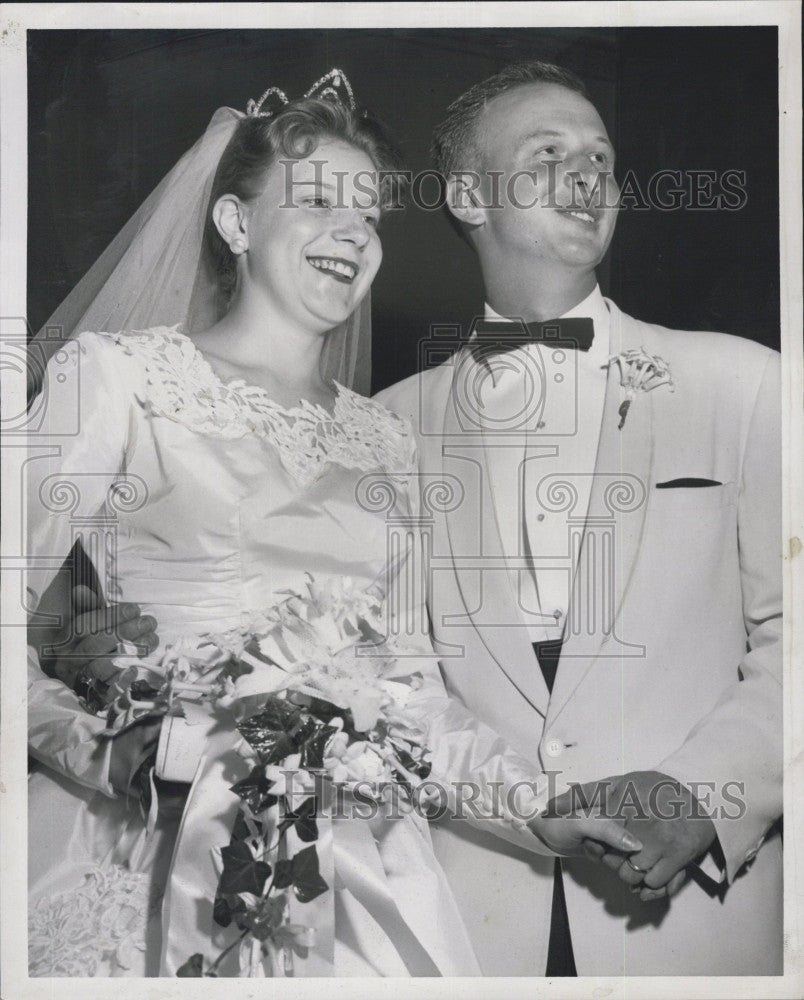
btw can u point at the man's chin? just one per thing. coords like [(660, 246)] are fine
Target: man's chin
[(582, 255)]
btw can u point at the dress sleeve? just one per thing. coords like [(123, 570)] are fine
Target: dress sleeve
[(476, 776), (76, 446), (81, 425)]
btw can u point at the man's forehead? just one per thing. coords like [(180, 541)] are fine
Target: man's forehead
[(535, 108)]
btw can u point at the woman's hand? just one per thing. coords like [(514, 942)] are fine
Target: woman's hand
[(88, 644), (129, 751), (574, 834)]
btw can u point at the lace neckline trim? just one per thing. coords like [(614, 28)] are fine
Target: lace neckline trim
[(182, 386)]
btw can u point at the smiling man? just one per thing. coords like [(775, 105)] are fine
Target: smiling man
[(606, 588)]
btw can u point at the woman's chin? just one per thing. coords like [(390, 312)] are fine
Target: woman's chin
[(335, 317)]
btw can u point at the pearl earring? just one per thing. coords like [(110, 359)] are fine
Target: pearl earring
[(237, 246)]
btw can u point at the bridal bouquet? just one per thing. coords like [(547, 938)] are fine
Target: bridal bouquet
[(316, 694)]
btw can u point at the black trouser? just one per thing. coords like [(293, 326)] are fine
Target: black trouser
[(560, 959)]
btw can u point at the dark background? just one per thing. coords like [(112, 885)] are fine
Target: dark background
[(111, 111)]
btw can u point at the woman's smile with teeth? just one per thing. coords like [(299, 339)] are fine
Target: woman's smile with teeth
[(338, 268)]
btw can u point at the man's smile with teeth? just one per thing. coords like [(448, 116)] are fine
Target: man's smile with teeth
[(341, 268), (579, 214)]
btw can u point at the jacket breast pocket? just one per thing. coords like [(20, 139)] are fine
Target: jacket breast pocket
[(692, 498)]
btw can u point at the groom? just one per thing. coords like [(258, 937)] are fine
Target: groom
[(605, 584)]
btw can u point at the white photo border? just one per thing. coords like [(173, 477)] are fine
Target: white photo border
[(15, 21)]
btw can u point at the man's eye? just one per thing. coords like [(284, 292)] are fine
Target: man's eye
[(319, 202), (372, 220)]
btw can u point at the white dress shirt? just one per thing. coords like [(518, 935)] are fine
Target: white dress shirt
[(551, 400)]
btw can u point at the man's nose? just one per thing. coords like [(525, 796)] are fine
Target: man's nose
[(588, 182), (579, 171)]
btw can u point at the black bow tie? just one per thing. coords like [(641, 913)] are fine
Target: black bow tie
[(500, 336)]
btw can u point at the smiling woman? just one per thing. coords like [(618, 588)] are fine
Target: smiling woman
[(239, 459), (279, 192), (298, 255)]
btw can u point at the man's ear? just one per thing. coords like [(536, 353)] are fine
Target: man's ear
[(231, 218), (464, 200)]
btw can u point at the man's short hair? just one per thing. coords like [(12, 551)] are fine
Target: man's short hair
[(455, 139)]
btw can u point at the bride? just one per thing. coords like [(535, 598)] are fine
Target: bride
[(212, 472)]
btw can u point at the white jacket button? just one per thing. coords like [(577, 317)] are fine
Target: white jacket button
[(554, 748)]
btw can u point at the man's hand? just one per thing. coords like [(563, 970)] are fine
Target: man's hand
[(568, 835), (91, 637), (664, 815)]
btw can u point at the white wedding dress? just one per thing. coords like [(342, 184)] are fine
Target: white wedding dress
[(202, 501)]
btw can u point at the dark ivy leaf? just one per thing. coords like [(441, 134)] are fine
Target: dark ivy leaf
[(305, 728), (241, 871), (307, 881), (302, 873), (193, 967), (226, 908), (269, 732), (221, 912), (240, 830), (283, 874), (312, 750), (255, 790), (276, 714), (303, 819)]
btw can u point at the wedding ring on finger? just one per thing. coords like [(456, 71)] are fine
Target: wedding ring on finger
[(126, 647), (636, 868), (83, 682)]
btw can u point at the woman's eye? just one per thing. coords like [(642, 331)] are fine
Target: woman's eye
[(548, 151), (600, 159)]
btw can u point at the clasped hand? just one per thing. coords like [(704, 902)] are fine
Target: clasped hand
[(86, 651), (88, 647), (644, 826), (657, 811)]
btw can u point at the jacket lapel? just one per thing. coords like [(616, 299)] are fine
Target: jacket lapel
[(472, 530), (615, 511)]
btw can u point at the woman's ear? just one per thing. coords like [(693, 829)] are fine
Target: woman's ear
[(463, 198), (230, 218)]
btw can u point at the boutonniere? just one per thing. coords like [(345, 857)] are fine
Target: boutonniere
[(639, 372)]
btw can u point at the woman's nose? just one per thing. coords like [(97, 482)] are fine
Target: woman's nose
[(352, 227)]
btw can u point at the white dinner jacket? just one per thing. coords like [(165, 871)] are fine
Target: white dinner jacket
[(684, 679)]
